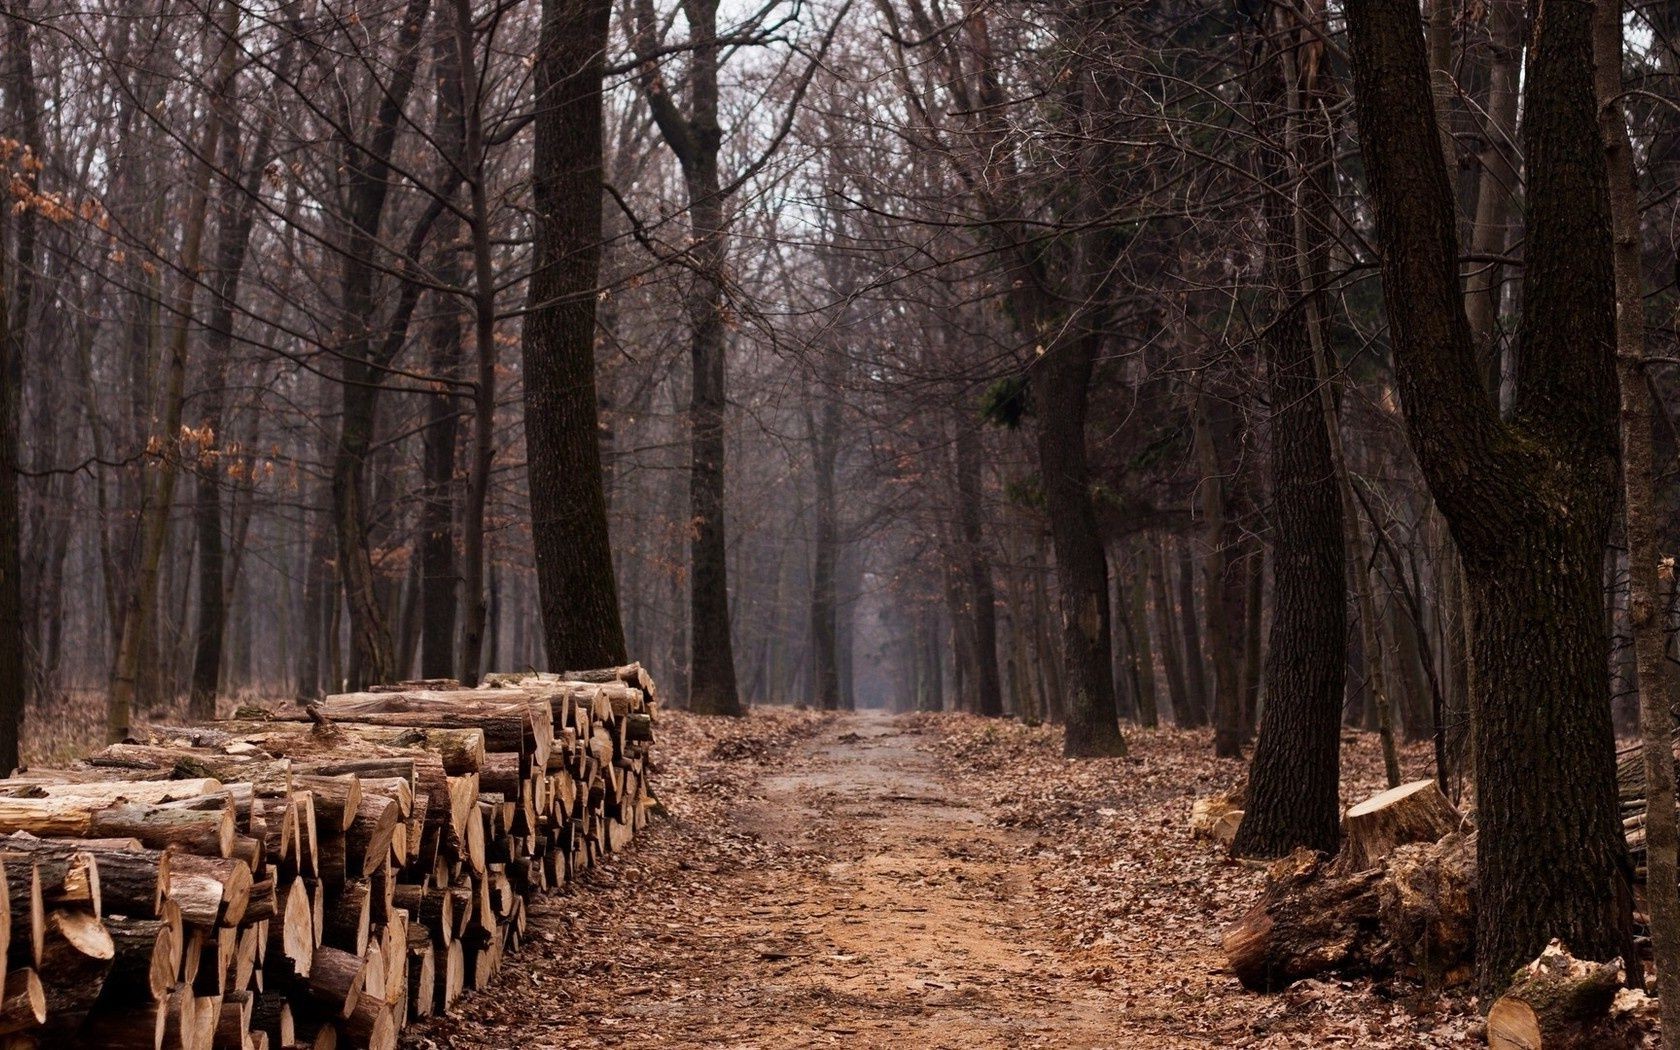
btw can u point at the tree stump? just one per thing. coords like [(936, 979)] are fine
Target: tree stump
[(1415, 812), (1558, 1002)]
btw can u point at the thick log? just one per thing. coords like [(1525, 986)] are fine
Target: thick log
[(336, 799), (109, 792), (513, 723), (368, 839), (74, 963), (147, 957), (210, 891), (1307, 920), (372, 1024), (460, 750), (347, 918), (233, 1022), (266, 774), (131, 877), (335, 979), (26, 913), (291, 935), (208, 830), (271, 1013), (136, 1026)]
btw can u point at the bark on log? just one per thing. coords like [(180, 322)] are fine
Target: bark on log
[(23, 1003), (1559, 1002)]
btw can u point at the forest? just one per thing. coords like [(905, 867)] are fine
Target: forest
[(1227, 451)]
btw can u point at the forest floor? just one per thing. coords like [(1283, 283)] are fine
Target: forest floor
[(924, 881)]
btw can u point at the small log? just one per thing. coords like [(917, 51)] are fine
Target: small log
[(1558, 1002), (335, 979), (23, 1004)]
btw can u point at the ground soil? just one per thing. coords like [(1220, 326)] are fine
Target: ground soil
[(921, 882)]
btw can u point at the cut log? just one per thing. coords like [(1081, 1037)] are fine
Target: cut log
[(147, 957), (131, 877), (23, 1004), (113, 791), (210, 891), (1415, 812), (1559, 1002), (1307, 920), (208, 831), (335, 979), (74, 963), (336, 799)]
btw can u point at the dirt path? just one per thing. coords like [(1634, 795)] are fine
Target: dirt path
[(900, 922), (853, 898)]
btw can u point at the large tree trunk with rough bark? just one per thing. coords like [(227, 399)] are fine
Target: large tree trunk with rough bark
[(1530, 500), (1646, 605), (1295, 773), (1062, 380), (577, 589)]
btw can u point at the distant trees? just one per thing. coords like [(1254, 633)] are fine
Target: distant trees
[(925, 353)]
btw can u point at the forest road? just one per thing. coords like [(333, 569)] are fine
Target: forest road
[(851, 897), (899, 926)]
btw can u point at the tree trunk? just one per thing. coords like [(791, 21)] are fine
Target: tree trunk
[(824, 427), (1143, 654), (1167, 631), (576, 586), (1227, 704), (988, 697), (1646, 607), (1529, 501), (1062, 385), (473, 552), (235, 212), (1195, 710), (12, 677), (1295, 773)]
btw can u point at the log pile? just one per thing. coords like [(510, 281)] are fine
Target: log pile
[(310, 877)]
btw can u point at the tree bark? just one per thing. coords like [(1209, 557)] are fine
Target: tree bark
[(1295, 773), (1195, 710), (576, 586), (1529, 501), (1646, 569), (977, 567), (1062, 384)]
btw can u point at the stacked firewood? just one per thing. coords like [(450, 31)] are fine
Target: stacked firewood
[(316, 876)]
